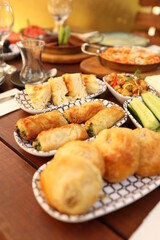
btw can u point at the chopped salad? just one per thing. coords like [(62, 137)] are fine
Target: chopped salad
[(127, 84)]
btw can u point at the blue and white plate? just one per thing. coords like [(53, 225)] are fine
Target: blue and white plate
[(27, 145), (112, 196), (11, 55), (25, 103)]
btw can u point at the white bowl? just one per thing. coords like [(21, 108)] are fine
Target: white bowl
[(121, 98)]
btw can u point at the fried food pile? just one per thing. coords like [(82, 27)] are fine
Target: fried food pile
[(72, 181)]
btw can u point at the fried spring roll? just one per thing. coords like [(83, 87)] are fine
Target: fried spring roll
[(31, 126), (105, 118), (54, 138), (79, 114)]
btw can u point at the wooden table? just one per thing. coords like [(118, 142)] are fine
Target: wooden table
[(20, 215)]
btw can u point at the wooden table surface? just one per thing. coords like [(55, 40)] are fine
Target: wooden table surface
[(20, 215)]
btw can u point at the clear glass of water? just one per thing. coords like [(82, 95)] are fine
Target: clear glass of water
[(60, 11), (32, 71), (6, 26)]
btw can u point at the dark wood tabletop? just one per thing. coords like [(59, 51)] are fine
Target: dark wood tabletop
[(20, 215)]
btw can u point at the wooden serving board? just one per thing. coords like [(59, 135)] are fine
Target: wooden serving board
[(93, 65), (68, 58)]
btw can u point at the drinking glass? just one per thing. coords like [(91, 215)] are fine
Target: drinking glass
[(60, 11), (32, 71), (6, 26)]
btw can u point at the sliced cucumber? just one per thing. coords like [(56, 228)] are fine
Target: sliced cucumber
[(134, 114), (145, 115), (60, 35), (66, 35), (153, 102)]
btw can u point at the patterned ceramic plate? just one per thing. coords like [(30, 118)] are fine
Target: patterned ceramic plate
[(112, 196), (25, 103), (135, 122), (11, 55), (27, 145)]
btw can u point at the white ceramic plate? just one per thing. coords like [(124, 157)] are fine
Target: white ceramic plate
[(11, 55), (134, 121), (121, 98), (25, 103), (27, 145), (119, 39), (113, 196)]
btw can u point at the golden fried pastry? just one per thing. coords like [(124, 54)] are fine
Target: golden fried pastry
[(84, 150), (105, 118), (59, 91), (79, 114), (31, 126), (72, 186), (91, 83), (54, 138), (39, 94), (120, 150), (149, 161), (75, 85)]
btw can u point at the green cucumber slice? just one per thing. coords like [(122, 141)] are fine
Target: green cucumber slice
[(145, 115), (153, 103)]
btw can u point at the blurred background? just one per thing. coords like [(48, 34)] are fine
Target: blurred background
[(86, 15)]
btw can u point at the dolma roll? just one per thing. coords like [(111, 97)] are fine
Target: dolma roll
[(54, 138), (31, 126), (79, 114), (105, 118)]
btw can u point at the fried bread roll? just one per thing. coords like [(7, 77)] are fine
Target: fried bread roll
[(31, 126), (84, 150), (120, 150), (105, 118), (40, 94), (149, 161), (72, 185), (54, 138), (79, 114)]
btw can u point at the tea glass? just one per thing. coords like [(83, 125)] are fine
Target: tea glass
[(32, 71)]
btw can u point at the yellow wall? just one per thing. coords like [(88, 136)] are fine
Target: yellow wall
[(102, 15)]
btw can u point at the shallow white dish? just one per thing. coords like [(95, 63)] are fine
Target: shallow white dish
[(11, 55), (134, 121), (27, 145), (25, 103), (121, 98), (113, 196), (154, 82)]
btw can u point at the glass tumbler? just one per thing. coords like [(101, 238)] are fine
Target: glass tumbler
[(32, 71)]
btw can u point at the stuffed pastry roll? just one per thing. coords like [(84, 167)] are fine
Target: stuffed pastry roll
[(54, 138), (31, 126), (105, 118), (79, 114)]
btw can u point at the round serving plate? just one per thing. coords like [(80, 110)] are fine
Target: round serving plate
[(131, 68), (111, 39)]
